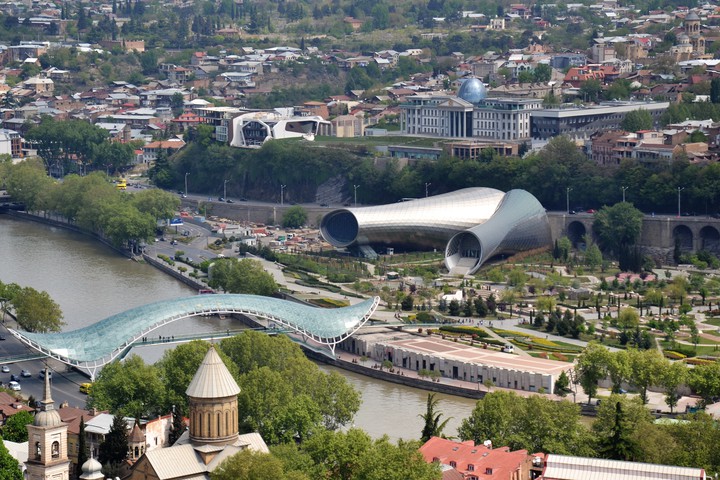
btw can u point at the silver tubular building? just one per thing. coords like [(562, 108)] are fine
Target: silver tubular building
[(515, 221), (519, 224)]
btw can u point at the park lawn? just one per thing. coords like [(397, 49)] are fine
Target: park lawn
[(713, 321), (714, 333), (711, 350)]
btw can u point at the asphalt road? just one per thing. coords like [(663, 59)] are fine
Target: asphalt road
[(65, 382)]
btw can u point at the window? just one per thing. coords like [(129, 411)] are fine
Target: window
[(471, 467), (55, 450), (453, 464), (38, 451)]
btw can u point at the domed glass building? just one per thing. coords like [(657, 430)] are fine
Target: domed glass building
[(472, 90)]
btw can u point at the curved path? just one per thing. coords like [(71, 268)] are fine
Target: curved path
[(98, 344)]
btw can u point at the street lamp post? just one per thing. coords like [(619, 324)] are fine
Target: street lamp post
[(680, 189), (186, 174), (355, 187), (623, 189), (225, 189), (567, 199), (282, 195), (427, 184)]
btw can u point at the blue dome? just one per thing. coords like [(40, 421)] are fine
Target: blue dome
[(472, 90)]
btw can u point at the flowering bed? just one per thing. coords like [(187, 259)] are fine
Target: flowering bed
[(674, 355)]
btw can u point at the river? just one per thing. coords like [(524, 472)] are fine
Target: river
[(90, 282)]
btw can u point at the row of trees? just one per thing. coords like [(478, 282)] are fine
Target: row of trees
[(546, 174), (623, 430), (34, 311), (644, 369), (91, 202), (78, 146)]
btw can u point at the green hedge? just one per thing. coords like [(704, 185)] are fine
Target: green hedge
[(543, 348), (465, 330)]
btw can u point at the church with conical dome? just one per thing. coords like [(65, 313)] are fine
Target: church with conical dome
[(212, 437), (213, 434)]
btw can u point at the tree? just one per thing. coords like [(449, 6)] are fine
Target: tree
[(628, 318), (129, 388), (619, 445), (674, 374), (590, 90), (645, 369), (542, 73), (534, 423), (433, 425), (562, 384), (637, 120), (618, 226), (114, 448), (546, 303), (591, 367), (37, 312), (354, 455), (295, 217), (9, 467), (715, 90), (249, 465), (15, 428), (82, 447), (242, 276), (593, 256), (704, 380), (619, 369)]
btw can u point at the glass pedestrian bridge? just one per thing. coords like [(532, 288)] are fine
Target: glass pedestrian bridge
[(94, 346)]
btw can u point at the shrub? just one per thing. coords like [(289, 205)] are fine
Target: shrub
[(464, 330), (424, 317), (698, 361), (559, 356), (674, 355)]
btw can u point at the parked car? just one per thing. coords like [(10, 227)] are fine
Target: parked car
[(5, 369), (2, 337), (324, 205), (13, 385), (26, 373), (230, 200), (221, 199)]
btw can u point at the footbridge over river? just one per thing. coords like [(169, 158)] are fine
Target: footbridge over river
[(92, 347), (693, 233)]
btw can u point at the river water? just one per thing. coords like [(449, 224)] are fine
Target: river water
[(90, 282)]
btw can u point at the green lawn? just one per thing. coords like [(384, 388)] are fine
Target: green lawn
[(712, 350), (713, 321)]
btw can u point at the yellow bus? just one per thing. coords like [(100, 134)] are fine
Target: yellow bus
[(121, 184)]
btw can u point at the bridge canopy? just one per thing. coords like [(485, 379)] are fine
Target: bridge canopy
[(100, 343)]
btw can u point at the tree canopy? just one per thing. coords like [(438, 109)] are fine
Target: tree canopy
[(295, 217), (637, 120), (618, 227), (534, 423), (241, 276), (9, 467)]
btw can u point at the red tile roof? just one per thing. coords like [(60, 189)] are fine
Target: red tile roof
[(476, 460)]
